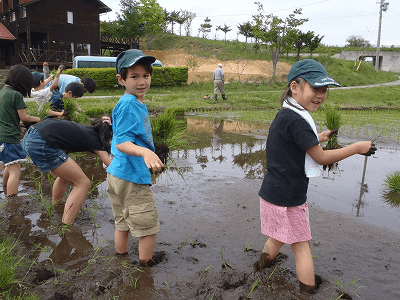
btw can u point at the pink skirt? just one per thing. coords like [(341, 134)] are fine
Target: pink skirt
[(286, 224)]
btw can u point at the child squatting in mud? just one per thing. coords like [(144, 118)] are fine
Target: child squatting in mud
[(129, 178), (293, 156)]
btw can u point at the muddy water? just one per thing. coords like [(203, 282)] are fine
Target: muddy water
[(209, 212)]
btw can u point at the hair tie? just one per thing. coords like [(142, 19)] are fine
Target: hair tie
[(106, 119)]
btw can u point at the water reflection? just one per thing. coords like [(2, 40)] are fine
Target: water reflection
[(352, 189), (363, 190), (231, 142)]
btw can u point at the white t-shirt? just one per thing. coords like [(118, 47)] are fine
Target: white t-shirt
[(41, 97)]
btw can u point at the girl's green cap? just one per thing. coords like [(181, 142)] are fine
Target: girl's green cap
[(312, 71)]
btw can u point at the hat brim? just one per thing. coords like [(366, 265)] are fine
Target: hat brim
[(321, 81), (142, 59)]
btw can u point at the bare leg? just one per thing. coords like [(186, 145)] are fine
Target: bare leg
[(59, 188), (304, 263), (272, 247), (11, 177), (146, 247), (121, 241), (270, 251), (70, 172)]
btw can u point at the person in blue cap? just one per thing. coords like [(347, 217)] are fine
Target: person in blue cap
[(134, 159), (294, 155)]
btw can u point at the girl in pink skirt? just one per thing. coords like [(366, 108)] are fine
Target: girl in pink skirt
[(293, 156)]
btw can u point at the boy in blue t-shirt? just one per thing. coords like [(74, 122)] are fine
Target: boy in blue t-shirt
[(129, 178)]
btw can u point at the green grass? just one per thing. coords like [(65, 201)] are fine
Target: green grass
[(12, 261)]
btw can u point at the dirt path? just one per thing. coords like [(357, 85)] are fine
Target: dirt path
[(249, 70)]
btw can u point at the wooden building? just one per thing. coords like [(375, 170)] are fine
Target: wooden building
[(49, 30)]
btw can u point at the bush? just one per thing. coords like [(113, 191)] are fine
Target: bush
[(105, 78)]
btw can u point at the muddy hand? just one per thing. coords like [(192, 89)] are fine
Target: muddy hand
[(334, 132), (371, 150), (152, 172)]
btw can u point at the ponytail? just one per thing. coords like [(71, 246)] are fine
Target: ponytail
[(103, 126), (288, 92)]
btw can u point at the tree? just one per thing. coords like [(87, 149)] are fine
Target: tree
[(129, 23), (224, 29), (273, 30), (189, 19), (140, 18), (183, 16), (205, 28), (357, 41), (246, 29), (172, 17), (301, 40)]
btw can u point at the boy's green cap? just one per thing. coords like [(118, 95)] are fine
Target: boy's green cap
[(37, 76), (312, 71), (130, 57)]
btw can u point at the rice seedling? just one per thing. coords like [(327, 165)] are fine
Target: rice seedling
[(181, 245), (92, 260), (134, 281), (206, 269), (341, 289), (392, 182), (224, 263), (248, 247), (12, 261), (332, 121), (166, 282), (253, 288)]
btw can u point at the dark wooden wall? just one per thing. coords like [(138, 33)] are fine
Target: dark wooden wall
[(50, 18)]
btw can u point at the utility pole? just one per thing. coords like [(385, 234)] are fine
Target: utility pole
[(382, 7)]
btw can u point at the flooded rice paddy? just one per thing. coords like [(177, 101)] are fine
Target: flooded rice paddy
[(210, 235)]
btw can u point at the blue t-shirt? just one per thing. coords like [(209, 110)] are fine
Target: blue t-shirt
[(131, 123), (64, 80)]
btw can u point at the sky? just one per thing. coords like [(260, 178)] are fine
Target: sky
[(336, 20)]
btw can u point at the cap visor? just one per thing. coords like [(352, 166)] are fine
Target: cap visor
[(322, 81)]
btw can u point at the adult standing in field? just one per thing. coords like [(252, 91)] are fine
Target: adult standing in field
[(219, 82)]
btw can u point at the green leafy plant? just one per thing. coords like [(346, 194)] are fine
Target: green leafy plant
[(333, 121), (253, 288), (224, 263), (341, 289), (392, 182), (168, 134)]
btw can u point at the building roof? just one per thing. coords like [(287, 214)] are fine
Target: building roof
[(5, 34), (102, 7)]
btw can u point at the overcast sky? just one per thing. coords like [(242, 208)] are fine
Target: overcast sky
[(336, 20)]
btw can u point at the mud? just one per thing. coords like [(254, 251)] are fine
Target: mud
[(210, 235)]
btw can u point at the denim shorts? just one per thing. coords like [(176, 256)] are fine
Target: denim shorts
[(11, 153), (43, 156)]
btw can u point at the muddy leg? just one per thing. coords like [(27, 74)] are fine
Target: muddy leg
[(146, 248), (304, 266), (270, 251), (121, 241)]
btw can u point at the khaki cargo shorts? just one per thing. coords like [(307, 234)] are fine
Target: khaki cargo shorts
[(133, 207)]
